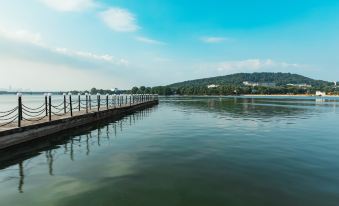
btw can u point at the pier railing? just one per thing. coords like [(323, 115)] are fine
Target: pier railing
[(69, 105)]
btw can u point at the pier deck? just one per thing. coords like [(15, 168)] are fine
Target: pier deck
[(11, 134)]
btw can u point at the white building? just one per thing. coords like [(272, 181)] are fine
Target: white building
[(320, 93), (300, 85), (212, 86), (263, 84)]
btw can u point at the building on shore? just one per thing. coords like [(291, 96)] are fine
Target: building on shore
[(256, 84), (320, 93), (300, 85), (212, 86)]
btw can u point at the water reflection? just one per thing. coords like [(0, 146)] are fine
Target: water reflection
[(69, 144), (257, 108)]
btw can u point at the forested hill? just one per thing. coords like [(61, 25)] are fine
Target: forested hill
[(280, 79)]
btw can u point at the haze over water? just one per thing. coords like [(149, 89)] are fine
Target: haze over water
[(187, 151)]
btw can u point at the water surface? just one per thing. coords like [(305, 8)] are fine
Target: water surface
[(187, 151)]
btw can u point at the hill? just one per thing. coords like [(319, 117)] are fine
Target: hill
[(280, 79)]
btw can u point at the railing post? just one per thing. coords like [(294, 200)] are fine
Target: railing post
[(86, 103), (65, 106), (90, 102), (107, 101), (98, 99), (19, 109), (50, 106), (70, 104), (130, 100), (114, 100), (46, 104), (79, 100), (118, 100)]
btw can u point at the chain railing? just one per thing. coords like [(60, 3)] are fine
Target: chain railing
[(82, 103)]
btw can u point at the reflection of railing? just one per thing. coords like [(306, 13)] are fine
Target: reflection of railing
[(68, 106), (89, 141)]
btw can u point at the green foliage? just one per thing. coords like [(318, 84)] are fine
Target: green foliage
[(233, 85), (281, 79)]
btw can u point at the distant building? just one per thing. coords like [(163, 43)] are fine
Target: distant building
[(115, 90), (263, 84), (300, 85), (335, 84), (320, 93), (212, 86)]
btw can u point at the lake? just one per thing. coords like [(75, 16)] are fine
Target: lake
[(187, 151)]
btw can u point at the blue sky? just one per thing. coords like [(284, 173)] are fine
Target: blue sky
[(79, 44)]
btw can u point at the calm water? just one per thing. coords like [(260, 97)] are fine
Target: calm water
[(187, 151)]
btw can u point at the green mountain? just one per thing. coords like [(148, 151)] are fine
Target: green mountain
[(280, 79)]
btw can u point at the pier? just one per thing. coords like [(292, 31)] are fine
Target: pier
[(24, 123)]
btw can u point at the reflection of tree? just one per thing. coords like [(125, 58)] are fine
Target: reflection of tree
[(63, 144)]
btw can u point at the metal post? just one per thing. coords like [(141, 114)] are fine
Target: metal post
[(46, 104), (113, 100), (19, 109), (65, 103), (90, 102), (130, 100), (107, 101), (86, 103), (98, 99), (79, 100), (126, 99), (70, 104), (50, 107)]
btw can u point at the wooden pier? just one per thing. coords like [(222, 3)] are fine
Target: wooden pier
[(52, 119)]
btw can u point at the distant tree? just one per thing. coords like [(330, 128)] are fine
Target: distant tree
[(135, 90), (94, 90), (142, 89)]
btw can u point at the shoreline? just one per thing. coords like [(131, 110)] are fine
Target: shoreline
[(286, 95)]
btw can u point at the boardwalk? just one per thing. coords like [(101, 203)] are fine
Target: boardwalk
[(70, 107), (25, 123)]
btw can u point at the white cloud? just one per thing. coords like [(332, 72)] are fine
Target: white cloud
[(214, 39), (149, 41), (92, 56), (23, 73), (120, 20), (22, 36), (252, 65), (69, 5), (35, 39)]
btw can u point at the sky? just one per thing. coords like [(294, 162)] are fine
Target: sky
[(79, 44)]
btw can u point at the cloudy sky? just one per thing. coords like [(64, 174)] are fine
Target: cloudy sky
[(79, 44)]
